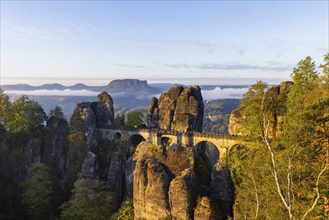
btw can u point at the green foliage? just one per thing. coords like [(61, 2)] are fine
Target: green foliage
[(57, 112), (203, 168), (25, 115), (126, 211), (104, 151), (254, 105), (135, 119), (38, 192), (5, 106), (77, 147), (287, 167), (119, 120), (90, 201)]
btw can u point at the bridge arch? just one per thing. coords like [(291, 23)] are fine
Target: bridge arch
[(133, 141), (210, 150), (117, 136)]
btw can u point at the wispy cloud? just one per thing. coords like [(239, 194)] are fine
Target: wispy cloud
[(13, 31), (210, 47), (232, 66)]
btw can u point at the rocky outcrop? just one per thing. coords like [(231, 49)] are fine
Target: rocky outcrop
[(129, 174), (96, 115), (182, 196), (89, 167), (235, 122), (103, 110), (151, 185), (177, 109), (276, 95), (116, 178), (33, 150), (222, 191), (202, 210), (168, 178), (152, 117), (88, 116), (54, 154)]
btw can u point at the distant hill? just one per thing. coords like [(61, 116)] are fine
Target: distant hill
[(115, 86), (129, 86)]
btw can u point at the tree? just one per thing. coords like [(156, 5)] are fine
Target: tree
[(77, 146), (126, 211), (291, 175), (135, 118), (57, 112), (119, 120), (4, 108), (254, 104), (38, 192), (90, 201), (25, 115)]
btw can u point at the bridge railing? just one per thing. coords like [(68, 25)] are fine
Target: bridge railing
[(190, 133)]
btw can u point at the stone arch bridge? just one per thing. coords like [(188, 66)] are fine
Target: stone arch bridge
[(187, 139)]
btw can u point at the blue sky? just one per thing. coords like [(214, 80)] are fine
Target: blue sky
[(197, 42)]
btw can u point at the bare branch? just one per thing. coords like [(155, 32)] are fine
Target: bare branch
[(287, 205), (256, 195), (317, 191)]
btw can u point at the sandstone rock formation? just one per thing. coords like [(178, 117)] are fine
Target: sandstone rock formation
[(116, 178), (275, 94), (223, 196), (236, 119), (151, 185), (152, 117), (54, 154), (98, 114), (182, 196), (165, 187), (202, 210), (89, 167), (177, 109), (103, 110)]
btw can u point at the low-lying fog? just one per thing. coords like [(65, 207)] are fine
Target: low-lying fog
[(216, 93)]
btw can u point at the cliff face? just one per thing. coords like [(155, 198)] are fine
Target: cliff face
[(151, 185), (54, 154), (276, 95), (170, 185), (98, 114), (177, 109)]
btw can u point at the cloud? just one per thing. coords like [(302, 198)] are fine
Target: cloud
[(215, 93), (219, 93), (233, 66), (55, 92), (12, 31), (210, 47)]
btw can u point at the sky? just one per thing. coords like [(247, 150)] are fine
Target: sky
[(191, 42)]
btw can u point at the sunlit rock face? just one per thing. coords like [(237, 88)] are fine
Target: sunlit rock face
[(178, 184), (178, 109), (151, 186), (276, 95)]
